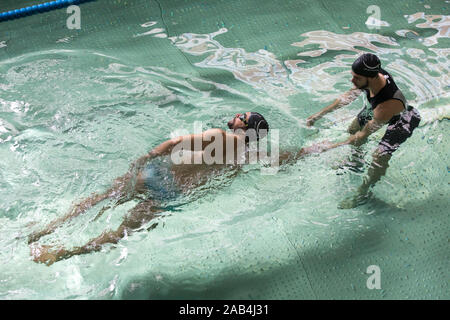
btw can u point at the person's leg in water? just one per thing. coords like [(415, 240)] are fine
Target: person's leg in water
[(357, 153), (120, 190), (354, 127), (396, 134), (377, 169), (138, 216), (142, 213), (355, 161)]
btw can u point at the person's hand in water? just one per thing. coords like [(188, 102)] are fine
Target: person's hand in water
[(46, 254), (311, 120), (318, 148)]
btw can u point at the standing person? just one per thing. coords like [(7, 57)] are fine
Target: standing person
[(387, 105)]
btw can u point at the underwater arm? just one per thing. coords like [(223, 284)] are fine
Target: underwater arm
[(360, 137), (289, 156), (192, 142), (382, 114), (357, 139)]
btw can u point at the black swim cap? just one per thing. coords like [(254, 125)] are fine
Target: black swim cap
[(257, 122), (367, 65)]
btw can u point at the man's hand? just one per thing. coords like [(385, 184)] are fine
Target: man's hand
[(46, 254), (311, 120), (343, 100), (317, 148)]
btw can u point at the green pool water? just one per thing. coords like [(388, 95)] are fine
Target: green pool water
[(77, 106)]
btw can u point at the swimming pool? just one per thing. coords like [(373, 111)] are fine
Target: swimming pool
[(79, 105)]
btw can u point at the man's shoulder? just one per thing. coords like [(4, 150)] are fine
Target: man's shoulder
[(214, 131)]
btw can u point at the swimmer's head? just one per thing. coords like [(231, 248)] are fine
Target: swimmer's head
[(366, 66), (250, 120)]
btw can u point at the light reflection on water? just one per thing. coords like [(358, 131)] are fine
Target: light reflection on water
[(421, 76), (260, 69)]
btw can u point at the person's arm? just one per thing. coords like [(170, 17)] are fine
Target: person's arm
[(357, 139), (381, 115), (344, 99), (361, 136), (289, 156), (192, 142), (161, 150)]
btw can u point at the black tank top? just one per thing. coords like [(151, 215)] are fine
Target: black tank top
[(389, 91)]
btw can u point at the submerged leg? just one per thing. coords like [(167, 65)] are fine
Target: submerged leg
[(354, 127), (139, 215), (74, 212), (377, 169), (357, 156), (355, 161), (120, 189)]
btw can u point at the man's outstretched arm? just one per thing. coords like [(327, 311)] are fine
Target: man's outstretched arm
[(360, 137), (356, 139), (289, 156), (193, 142), (381, 115), (343, 100)]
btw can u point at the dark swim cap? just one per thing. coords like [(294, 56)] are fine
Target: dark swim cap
[(367, 65), (257, 122)]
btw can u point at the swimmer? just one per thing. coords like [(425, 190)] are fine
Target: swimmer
[(387, 105), (161, 181)]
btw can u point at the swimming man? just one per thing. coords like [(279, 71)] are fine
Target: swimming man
[(161, 181)]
